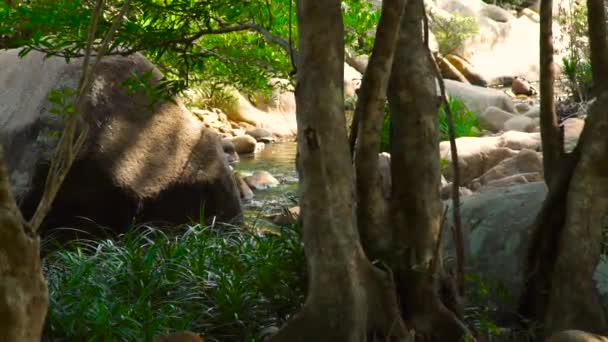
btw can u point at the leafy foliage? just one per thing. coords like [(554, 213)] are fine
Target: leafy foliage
[(576, 65), (579, 77), (242, 43), (452, 31), (209, 96), (465, 122), (226, 283)]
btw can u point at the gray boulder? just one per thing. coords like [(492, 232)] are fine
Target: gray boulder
[(139, 162), (477, 99), (497, 232)]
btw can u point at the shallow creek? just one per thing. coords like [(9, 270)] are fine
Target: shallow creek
[(278, 159)]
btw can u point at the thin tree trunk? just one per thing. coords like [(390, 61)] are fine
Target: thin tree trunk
[(23, 290), (552, 140), (347, 296), (415, 167), (372, 206)]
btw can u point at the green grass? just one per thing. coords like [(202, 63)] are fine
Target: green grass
[(223, 282), (465, 122)]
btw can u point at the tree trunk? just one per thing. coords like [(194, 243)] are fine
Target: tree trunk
[(573, 302), (552, 140), (347, 296), (415, 167), (372, 206), (23, 290), (559, 290)]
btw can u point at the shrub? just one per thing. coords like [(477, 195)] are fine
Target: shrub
[(576, 66), (209, 96), (225, 283), (465, 122), (451, 32)]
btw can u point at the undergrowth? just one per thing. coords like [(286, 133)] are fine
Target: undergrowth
[(465, 122), (225, 283)]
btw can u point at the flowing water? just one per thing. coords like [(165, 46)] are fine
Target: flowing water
[(279, 159)]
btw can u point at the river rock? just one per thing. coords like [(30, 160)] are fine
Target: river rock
[(509, 181), (244, 189), (477, 155), (478, 99), (520, 86), (182, 336), (533, 113), (230, 151), (496, 229), (261, 180), (261, 135), (244, 144), (522, 107), (573, 127), (446, 191), (576, 336), (493, 119), (286, 217), (526, 161), (496, 13), (138, 162), (520, 123)]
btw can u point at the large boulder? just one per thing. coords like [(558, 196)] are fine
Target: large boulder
[(477, 155), (139, 162), (521, 123), (493, 119), (243, 144), (478, 99), (504, 45), (497, 231), (525, 162)]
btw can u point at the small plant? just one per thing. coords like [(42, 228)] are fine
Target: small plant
[(224, 282), (576, 66), (209, 96), (579, 77), (465, 122), (452, 31), (479, 314)]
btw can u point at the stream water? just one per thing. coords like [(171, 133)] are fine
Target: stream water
[(279, 160)]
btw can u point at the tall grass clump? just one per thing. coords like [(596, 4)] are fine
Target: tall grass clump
[(227, 284), (465, 122)]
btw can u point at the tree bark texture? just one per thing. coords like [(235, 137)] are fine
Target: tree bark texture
[(573, 301), (347, 296), (564, 251), (372, 207), (552, 140), (415, 202), (23, 290), (559, 290)]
